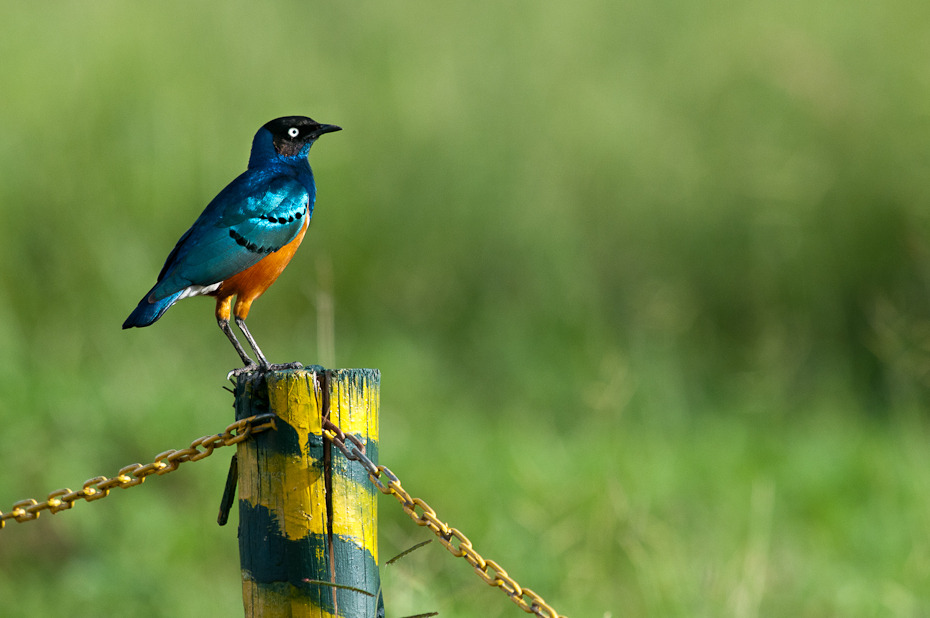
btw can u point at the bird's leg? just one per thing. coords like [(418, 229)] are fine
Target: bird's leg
[(248, 336), (262, 361), (250, 365)]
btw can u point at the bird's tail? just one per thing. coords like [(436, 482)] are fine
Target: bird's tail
[(147, 311)]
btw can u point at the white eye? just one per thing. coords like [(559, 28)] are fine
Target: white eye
[(293, 132)]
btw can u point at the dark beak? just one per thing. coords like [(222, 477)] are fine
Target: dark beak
[(325, 128)]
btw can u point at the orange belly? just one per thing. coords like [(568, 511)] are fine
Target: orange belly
[(253, 281)]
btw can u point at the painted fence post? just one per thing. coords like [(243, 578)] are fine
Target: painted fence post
[(307, 516)]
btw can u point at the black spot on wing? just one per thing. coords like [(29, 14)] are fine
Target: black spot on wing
[(242, 241), (289, 219)]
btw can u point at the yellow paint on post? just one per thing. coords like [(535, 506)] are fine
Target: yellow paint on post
[(357, 518), (297, 498), (295, 560), (354, 405), (297, 398)]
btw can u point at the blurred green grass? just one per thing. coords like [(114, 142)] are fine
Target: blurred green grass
[(651, 277)]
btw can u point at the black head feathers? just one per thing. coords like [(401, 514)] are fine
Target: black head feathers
[(291, 134)]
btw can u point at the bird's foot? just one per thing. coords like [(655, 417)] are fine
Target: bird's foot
[(264, 368), (235, 373), (285, 366)]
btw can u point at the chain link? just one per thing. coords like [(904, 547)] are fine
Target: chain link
[(423, 515), (134, 474)]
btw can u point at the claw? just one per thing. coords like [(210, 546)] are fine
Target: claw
[(235, 373)]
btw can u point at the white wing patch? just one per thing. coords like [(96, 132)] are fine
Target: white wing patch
[(199, 290)]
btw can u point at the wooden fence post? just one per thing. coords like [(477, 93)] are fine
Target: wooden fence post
[(308, 516)]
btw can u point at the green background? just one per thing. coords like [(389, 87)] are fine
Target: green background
[(647, 283)]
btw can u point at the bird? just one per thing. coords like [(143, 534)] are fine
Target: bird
[(245, 237)]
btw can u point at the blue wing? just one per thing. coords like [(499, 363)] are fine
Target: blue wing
[(252, 217)]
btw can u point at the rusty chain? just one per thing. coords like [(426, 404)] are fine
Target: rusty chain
[(134, 474), (452, 539)]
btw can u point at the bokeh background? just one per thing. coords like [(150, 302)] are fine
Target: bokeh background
[(647, 283)]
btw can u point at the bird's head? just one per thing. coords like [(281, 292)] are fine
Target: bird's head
[(290, 137)]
